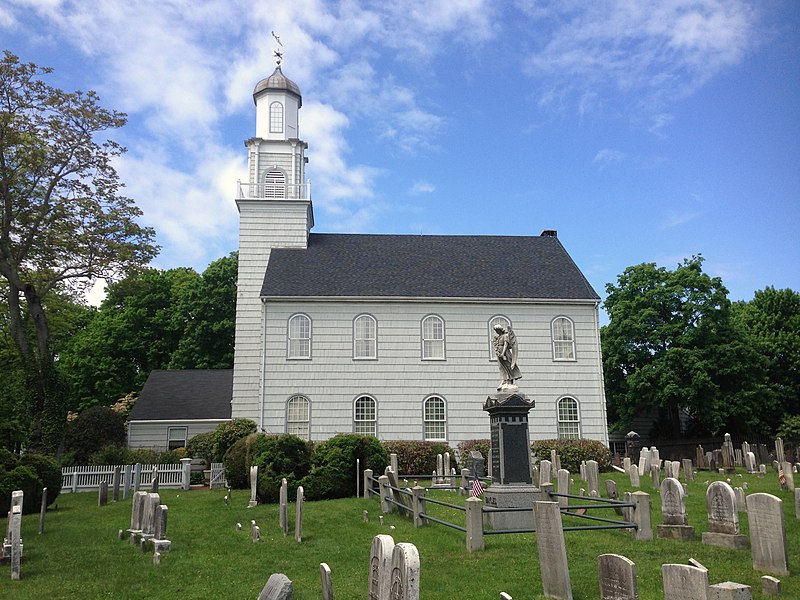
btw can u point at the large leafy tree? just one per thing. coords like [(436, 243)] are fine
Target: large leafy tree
[(63, 220), (669, 344)]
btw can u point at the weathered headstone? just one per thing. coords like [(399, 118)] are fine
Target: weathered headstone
[(160, 541), (562, 480), (298, 515), (552, 550), (102, 493), (750, 462), (741, 502), (634, 475), (545, 472), (148, 516), (592, 476), (380, 567), (626, 464), (115, 483), (675, 525), (655, 475), (730, 590), (728, 455), (393, 462), (253, 486), (154, 480), (137, 511), (555, 459), (770, 586), (617, 578), (700, 457), (641, 516), (137, 477), (327, 582), (126, 481), (476, 464), (797, 502), (15, 525), (780, 456), (404, 579), (278, 587), (788, 476), (723, 519), (42, 510), (688, 469), (284, 507), (767, 534), (684, 582)]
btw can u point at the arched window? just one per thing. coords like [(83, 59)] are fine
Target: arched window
[(276, 117), (298, 417), (435, 418), (432, 338), (563, 339), (365, 416), (365, 337), (275, 184), (569, 420), (299, 338), (492, 322)]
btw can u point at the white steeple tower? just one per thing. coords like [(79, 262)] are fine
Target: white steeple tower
[(274, 212)]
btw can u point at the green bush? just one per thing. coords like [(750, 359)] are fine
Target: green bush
[(418, 458), (144, 456), (334, 472), (789, 429), (228, 433), (202, 446), (29, 473), (92, 430), (278, 457), (110, 455), (237, 461), (467, 446), (573, 451)]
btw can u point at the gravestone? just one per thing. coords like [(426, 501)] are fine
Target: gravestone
[(393, 462), (723, 519), (617, 578), (644, 461), (655, 475), (148, 516), (115, 483), (137, 477), (767, 534), (675, 525), (545, 472), (126, 481), (730, 590), (42, 510), (552, 551), (593, 476), (253, 486), (684, 582), (669, 470), (688, 469), (750, 462), (327, 583), (770, 586), (780, 456), (700, 457), (298, 515), (102, 494), (563, 482), (555, 459), (788, 475), (284, 507), (15, 539), (634, 475), (476, 464), (728, 455), (154, 480), (797, 502), (137, 512), (278, 587), (626, 464), (404, 579), (380, 567), (741, 502)]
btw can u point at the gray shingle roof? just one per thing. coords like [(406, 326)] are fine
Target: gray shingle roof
[(181, 395), (430, 266)]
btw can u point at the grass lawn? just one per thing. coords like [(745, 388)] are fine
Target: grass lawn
[(79, 555)]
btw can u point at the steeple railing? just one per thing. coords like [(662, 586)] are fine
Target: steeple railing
[(273, 191)]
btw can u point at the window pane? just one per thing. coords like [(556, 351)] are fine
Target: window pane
[(276, 117), (563, 339), (364, 416), (364, 337), (568, 418), (434, 419), (297, 417), (299, 337), (176, 437), (433, 338)]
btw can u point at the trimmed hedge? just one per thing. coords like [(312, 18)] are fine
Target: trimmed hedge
[(334, 472), (29, 473), (418, 458), (228, 433), (202, 446), (237, 461), (573, 451), (278, 457)]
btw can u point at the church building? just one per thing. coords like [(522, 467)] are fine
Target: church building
[(391, 335)]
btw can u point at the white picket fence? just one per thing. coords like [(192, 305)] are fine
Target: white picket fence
[(217, 476), (87, 478)]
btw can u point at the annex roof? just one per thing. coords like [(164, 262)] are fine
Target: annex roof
[(185, 394), (427, 266)]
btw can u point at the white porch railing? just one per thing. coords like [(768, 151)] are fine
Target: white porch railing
[(87, 478), (273, 191)]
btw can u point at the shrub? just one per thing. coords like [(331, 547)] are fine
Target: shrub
[(572, 452), (29, 473), (278, 457), (334, 472), (92, 430), (144, 456), (790, 429), (467, 446), (237, 461), (110, 455), (418, 458), (202, 446), (228, 433)]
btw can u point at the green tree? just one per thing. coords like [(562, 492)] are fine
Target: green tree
[(209, 310), (670, 344), (63, 220), (770, 325)]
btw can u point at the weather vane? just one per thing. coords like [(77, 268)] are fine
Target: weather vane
[(278, 53)]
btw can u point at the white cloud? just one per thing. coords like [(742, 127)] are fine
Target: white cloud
[(422, 187), (608, 156), (676, 219)]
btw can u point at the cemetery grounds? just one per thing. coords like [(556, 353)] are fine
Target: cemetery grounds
[(80, 556)]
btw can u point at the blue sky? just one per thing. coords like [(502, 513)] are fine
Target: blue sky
[(643, 131)]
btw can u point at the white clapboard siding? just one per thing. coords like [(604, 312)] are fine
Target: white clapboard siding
[(154, 435)]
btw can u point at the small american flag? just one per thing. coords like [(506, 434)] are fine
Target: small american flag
[(781, 478), (477, 487)]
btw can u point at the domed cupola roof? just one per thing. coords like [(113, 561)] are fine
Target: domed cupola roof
[(278, 81)]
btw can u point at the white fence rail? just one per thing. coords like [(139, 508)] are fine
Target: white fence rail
[(88, 478)]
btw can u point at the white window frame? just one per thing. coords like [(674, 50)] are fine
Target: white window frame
[(298, 422), (432, 339), (569, 419), (365, 339), (298, 343), (490, 325), (276, 117), (434, 420), (365, 422), (275, 183), (563, 344), (171, 438)]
